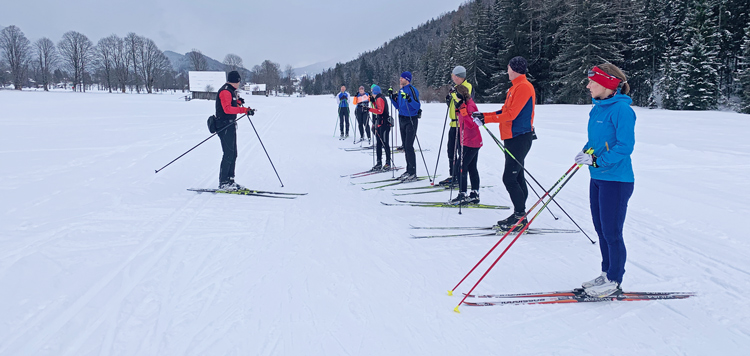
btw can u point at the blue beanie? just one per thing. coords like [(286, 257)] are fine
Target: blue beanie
[(407, 76), (375, 89)]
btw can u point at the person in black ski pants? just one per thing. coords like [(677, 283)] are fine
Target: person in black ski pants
[(362, 100), (406, 101), (382, 126), (343, 99), (228, 105)]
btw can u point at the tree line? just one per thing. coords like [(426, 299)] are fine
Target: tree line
[(678, 54), (114, 63)]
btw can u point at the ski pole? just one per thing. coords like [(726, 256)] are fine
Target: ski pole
[(432, 181), (335, 125), (502, 147), (207, 138), (445, 123), (551, 197), (264, 149), (450, 292)]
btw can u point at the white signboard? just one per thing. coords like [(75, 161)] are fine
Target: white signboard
[(206, 81), (255, 87)]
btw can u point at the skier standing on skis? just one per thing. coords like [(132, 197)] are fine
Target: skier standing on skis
[(406, 101), (382, 128), (611, 135), (228, 105), (343, 99), (470, 141), (459, 79), (516, 119), (362, 100)]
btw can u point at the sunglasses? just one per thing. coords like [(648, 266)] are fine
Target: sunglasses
[(592, 73)]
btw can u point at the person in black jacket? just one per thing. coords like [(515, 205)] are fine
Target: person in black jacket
[(228, 105)]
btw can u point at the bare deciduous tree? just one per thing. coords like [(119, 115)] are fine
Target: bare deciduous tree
[(197, 60), (267, 73), (288, 80), (46, 57), (232, 62), (153, 63), (121, 63), (105, 53), (133, 44), (16, 50), (76, 52)]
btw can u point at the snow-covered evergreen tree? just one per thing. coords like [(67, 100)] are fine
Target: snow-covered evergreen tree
[(744, 73), (588, 37)]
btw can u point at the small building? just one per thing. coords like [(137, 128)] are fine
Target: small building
[(205, 84), (256, 89)]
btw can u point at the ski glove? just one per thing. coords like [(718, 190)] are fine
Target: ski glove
[(240, 101), (390, 91), (406, 96), (250, 112), (586, 158), (478, 118), (448, 99)]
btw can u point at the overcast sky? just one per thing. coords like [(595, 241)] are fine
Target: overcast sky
[(287, 32)]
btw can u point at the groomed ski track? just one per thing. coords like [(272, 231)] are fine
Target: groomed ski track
[(100, 256)]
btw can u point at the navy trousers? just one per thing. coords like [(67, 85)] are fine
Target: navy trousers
[(609, 203)]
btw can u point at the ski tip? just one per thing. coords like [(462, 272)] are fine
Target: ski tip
[(456, 309), (450, 292)]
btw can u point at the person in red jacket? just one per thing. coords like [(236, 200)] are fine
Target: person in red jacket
[(228, 105), (381, 128), (516, 119), (471, 141)]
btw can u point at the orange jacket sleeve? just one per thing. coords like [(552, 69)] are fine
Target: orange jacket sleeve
[(517, 97), (226, 104)]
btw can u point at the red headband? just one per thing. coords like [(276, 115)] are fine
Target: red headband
[(608, 81)]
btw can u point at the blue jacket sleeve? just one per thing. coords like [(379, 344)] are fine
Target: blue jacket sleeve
[(624, 123)]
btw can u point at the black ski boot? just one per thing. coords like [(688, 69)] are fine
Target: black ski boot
[(377, 167), (461, 199), (505, 225), (474, 197)]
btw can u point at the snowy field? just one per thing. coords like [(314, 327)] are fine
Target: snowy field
[(100, 256)]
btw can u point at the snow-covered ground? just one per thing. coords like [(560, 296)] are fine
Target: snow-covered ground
[(100, 256)]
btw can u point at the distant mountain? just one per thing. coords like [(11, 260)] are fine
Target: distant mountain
[(180, 62), (315, 68)]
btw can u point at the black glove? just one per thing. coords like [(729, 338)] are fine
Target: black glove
[(240, 101), (448, 99), (390, 91), (394, 97), (478, 118), (250, 112), (406, 96)]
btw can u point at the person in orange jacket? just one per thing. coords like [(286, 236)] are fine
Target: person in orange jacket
[(516, 119)]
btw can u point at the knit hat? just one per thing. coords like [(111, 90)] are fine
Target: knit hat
[(518, 64), (375, 89), (407, 76), (233, 77), (460, 72)]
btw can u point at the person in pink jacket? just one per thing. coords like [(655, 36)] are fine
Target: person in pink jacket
[(471, 141)]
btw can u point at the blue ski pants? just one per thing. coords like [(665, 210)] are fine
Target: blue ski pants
[(609, 203)]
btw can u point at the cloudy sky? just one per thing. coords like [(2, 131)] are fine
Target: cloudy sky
[(287, 32)]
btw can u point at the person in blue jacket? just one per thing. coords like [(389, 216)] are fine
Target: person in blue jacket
[(343, 99), (611, 137), (406, 101)]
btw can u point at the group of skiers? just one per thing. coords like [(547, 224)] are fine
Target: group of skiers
[(611, 138)]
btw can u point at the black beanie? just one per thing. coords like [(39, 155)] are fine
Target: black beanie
[(518, 64), (233, 77)]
